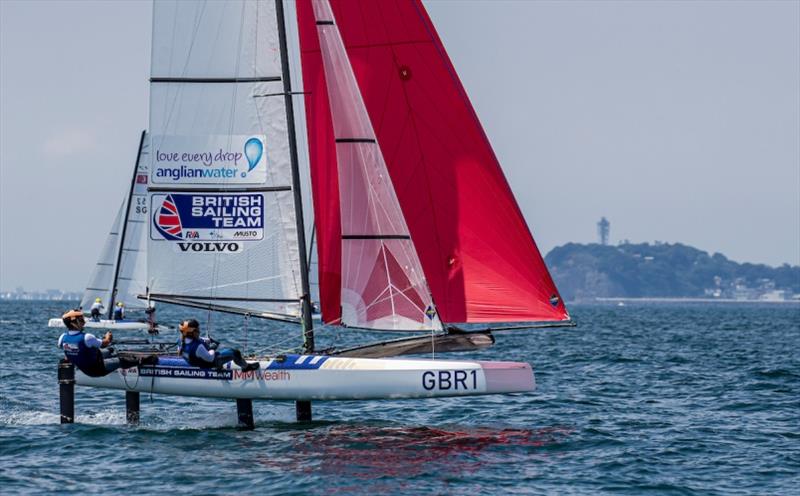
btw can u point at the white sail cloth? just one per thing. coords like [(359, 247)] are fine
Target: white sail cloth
[(223, 231), (102, 277)]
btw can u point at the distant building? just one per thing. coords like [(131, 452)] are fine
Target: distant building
[(603, 228)]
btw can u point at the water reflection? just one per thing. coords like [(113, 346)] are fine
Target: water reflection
[(369, 453)]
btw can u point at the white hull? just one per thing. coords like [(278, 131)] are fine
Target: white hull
[(127, 325), (314, 377)]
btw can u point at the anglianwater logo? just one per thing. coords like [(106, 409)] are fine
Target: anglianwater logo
[(217, 159), (168, 221)]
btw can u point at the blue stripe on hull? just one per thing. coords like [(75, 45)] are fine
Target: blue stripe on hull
[(298, 362)]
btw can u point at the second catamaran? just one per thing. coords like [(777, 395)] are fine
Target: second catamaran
[(121, 269)]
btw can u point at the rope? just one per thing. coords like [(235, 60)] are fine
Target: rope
[(274, 350), (246, 321)]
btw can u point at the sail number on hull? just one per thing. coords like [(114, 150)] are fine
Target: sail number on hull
[(446, 380)]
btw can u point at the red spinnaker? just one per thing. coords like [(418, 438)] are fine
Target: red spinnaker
[(477, 253)]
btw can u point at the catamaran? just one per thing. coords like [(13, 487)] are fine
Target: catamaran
[(416, 229), (120, 272)]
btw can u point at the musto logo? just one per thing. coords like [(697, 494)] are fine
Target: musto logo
[(209, 160), (201, 223)]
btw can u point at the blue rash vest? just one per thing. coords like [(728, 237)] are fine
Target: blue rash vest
[(87, 359), (189, 353)]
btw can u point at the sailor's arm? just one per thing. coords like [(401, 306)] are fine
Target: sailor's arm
[(93, 342)]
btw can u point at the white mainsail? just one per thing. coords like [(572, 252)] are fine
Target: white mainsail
[(102, 278), (223, 232), (383, 286)]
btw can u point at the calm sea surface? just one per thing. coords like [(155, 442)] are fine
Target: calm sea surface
[(646, 398)]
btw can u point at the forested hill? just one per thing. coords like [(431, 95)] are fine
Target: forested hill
[(584, 272)]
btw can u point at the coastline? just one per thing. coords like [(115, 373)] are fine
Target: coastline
[(685, 300)]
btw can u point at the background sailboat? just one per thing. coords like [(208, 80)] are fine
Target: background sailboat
[(120, 272)]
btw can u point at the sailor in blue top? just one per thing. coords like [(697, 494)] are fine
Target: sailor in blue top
[(89, 354), (119, 311), (203, 352)]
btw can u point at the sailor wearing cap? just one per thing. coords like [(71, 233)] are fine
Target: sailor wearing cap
[(203, 352), (97, 309), (119, 311), (89, 354)]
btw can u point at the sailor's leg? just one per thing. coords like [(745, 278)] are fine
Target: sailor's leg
[(223, 356), (112, 364), (226, 355)]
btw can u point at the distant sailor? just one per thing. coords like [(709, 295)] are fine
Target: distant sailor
[(90, 354), (203, 352), (119, 311), (97, 309)]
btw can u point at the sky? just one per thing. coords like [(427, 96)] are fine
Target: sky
[(678, 121)]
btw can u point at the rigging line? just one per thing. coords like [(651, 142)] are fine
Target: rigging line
[(246, 322), (273, 346), (282, 93), (311, 246)]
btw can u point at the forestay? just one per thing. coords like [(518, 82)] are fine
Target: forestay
[(383, 286), (223, 231)]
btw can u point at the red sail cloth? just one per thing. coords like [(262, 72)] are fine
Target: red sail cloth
[(324, 172), (477, 253)]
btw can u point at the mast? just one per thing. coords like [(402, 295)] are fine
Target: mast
[(125, 228), (305, 299)]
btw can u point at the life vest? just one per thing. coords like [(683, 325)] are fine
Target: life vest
[(118, 314), (88, 360), (189, 353)]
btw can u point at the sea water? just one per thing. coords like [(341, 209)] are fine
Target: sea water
[(646, 398)]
